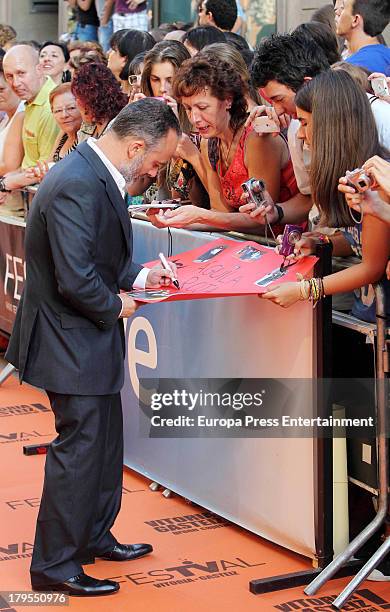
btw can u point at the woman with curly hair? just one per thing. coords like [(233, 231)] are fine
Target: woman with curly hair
[(214, 97), (98, 97), (232, 56)]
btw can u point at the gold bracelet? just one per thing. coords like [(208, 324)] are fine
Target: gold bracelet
[(304, 289), (316, 290), (313, 292)]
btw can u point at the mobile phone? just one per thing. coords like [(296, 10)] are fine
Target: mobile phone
[(380, 86), (165, 204), (265, 125), (157, 204)]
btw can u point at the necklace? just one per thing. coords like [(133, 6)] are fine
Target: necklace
[(224, 159), (99, 130)]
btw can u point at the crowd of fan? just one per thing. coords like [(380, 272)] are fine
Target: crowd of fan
[(313, 88)]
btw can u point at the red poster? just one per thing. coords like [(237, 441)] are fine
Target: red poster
[(225, 268)]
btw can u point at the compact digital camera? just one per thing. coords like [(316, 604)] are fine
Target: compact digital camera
[(291, 235), (359, 179), (255, 188)]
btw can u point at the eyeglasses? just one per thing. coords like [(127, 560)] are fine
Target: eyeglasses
[(67, 109), (201, 9)]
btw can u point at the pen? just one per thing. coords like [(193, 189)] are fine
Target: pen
[(166, 266)]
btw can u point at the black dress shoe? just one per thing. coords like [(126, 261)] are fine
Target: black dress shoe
[(127, 552), (81, 586)]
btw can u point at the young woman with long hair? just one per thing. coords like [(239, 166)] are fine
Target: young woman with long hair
[(338, 126), (161, 64)]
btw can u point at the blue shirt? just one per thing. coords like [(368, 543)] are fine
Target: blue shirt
[(376, 58), (240, 11)]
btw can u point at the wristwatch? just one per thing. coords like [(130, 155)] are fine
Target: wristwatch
[(280, 213), (2, 185)]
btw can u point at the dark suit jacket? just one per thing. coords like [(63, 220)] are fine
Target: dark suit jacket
[(67, 337)]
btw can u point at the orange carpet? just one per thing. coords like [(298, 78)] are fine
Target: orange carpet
[(200, 564)]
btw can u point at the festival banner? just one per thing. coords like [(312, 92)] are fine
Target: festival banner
[(12, 271), (226, 268)]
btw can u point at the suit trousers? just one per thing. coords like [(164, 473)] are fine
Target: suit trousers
[(82, 487)]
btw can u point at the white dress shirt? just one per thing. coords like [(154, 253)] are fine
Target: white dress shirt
[(140, 281)]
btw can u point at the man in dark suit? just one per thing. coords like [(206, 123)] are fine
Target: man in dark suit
[(68, 338)]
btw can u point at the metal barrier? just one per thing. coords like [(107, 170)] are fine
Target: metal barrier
[(6, 373), (383, 469), (340, 564)]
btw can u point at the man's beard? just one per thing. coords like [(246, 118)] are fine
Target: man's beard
[(130, 171)]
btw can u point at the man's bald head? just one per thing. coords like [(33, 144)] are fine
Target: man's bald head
[(26, 52), (22, 71)]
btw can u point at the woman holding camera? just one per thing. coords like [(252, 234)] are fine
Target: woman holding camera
[(376, 200), (373, 202), (338, 126), (214, 97)]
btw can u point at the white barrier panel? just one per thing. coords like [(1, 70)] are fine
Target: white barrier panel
[(264, 485)]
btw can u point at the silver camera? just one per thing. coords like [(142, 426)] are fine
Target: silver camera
[(359, 179), (255, 188)]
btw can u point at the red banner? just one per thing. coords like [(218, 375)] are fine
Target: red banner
[(225, 268)]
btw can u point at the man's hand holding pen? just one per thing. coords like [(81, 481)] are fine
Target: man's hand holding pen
[(162, 275)]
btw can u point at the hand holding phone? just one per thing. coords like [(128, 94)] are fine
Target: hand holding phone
[(380, 86), (265, 125), (157, 205)]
